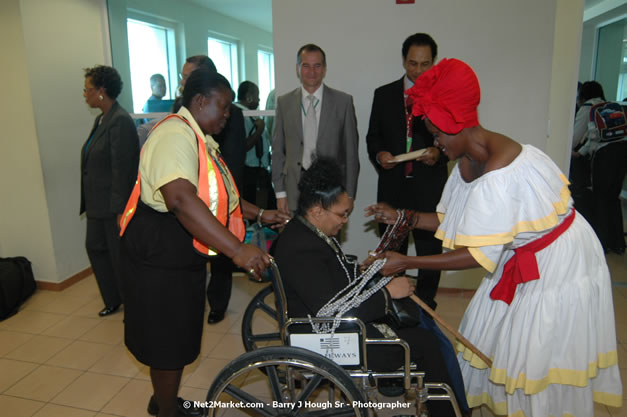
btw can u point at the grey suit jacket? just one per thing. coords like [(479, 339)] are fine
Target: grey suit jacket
[(109, 167), (337, 139)]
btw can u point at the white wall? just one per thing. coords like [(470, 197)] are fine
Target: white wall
[(566, 51), (24, 222), (47, 47), (508, 43)]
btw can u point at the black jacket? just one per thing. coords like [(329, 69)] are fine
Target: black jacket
[(387, 132), (311, 274), (232, 141), (109, 167)]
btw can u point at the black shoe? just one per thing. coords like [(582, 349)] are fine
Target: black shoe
[(190, 411), (215, 317), (108, 310)]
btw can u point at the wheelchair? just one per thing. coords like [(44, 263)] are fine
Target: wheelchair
[(289, 370)]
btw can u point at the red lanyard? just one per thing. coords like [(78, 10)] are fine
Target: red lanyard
[(409, 117)]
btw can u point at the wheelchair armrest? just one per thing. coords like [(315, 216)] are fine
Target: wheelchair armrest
[(301, 324)]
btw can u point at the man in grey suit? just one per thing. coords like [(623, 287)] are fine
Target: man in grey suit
[(313, 120)]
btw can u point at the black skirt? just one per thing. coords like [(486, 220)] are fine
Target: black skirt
[(164, 287)]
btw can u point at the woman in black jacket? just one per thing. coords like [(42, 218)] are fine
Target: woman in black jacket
[(109, 161)]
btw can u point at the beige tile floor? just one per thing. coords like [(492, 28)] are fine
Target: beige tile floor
[(59, 359)]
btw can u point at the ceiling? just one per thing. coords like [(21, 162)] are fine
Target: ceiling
[(591, 3), (257, 13)]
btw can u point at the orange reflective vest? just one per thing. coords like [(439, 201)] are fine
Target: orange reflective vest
[(211, 190)]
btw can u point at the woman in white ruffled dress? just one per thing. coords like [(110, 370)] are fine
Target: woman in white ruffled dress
[(543, 313)]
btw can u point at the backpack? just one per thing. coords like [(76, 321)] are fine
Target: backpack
[(607, 122), (17, 283)]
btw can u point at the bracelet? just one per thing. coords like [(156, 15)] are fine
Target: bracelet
[(414, 217), (416, 220), (259, 214)]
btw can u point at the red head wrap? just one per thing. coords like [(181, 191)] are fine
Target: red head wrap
[(448, 94)]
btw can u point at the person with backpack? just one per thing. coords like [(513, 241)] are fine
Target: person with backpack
[(579, 173), (590, 93), (604, 142)]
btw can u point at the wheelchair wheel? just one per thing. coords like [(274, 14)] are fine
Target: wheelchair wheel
[(260, 324), (315, 386)]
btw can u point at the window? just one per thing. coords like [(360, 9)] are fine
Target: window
[(151, 51), (224, 56), (611, 62), (265, 70)]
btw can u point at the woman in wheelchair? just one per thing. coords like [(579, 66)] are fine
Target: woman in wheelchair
[(314, 269)]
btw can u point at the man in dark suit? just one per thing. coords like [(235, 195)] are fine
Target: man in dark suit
[(330, 130), (418, 184)]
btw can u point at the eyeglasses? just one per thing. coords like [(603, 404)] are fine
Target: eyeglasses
[(88, 89), (343, 216)]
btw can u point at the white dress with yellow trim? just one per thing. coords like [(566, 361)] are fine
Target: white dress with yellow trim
[(554, 347)]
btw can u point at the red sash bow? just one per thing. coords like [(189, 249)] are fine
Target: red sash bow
[(523, 266)]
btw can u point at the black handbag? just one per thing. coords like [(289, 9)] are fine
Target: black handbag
[(402, 312), (16, 284)]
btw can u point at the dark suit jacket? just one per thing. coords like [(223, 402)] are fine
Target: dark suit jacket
[(337, 139), (232, 141), (109, 167), (387, 132)]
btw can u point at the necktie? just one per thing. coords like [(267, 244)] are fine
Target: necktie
[(409, 165), (310, 132)]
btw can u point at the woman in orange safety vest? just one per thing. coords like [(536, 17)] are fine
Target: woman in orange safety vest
[(185, 206)]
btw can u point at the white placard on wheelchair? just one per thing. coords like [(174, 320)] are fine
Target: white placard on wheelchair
[(341, 348)]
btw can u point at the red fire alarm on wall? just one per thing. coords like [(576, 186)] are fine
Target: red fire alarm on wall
[(405, 1)]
